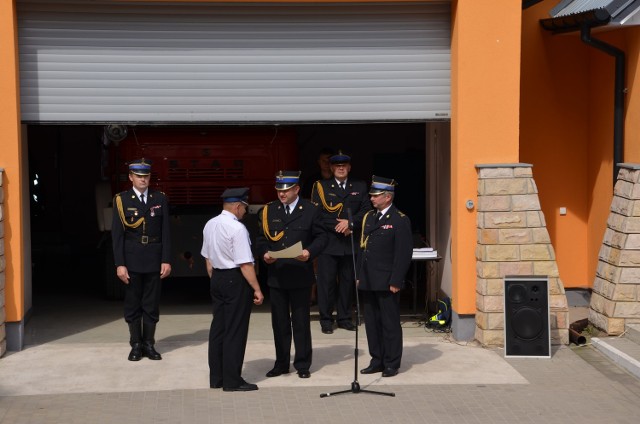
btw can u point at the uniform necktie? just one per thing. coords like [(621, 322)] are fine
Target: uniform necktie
[(342, 185), (286, 210), (142, 197), (378, 216)]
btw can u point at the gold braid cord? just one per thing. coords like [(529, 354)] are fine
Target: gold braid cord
[(265, 226), (363, 239), (122, 217), (335, 208)]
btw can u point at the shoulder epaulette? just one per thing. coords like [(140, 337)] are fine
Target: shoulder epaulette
[(363, 239), (265, 225), (123, 219), (336, 208)]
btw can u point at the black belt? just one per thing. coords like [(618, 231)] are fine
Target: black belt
[(144, 239), (226, 270)]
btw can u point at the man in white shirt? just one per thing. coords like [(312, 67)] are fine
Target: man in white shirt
[(230, 265)]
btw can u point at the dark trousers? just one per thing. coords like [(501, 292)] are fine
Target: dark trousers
[(231, 296), (142, 297), (335, 287), (382, 323), (290, 310)]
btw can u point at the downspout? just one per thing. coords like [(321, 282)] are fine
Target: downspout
[(618, 98)]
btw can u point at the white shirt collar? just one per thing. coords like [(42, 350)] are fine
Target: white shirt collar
[(229, 214), (384, 211), (293, 204), (138, 193)]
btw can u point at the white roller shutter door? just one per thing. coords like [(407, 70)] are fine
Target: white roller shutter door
[(104, 61)]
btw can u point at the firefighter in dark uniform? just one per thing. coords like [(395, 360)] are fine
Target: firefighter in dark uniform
[(233, 285), (283, 223), (336, 197), (141, 249), (386, 248)]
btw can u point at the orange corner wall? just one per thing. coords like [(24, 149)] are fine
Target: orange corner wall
[(485, 80), (10, 160), (566, 132)]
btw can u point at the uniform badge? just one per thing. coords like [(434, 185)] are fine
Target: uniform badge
[(153, 209), (386, 227)]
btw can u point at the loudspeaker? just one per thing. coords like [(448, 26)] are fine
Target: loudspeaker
[(526, 316)]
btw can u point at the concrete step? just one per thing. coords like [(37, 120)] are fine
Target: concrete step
[(633, 332), (624, 350)]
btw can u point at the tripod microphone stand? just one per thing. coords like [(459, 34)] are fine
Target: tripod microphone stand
[(355, 385)]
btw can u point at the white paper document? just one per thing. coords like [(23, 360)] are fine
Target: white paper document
[(424, 253), (290, 252)]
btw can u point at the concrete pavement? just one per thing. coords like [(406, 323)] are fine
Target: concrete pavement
[(75, 371)]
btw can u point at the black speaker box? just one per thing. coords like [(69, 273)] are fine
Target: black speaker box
[(526, 317)]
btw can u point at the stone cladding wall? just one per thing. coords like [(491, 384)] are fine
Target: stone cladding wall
[(615, 300), (512, 239), (3, 315)]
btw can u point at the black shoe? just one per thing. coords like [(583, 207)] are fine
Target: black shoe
[(327, 328), (347, 325), (136, 352), (304, 373), (149, 351), (372, 369), (244, 387), (389, 372), (216, 385), (276, 372)]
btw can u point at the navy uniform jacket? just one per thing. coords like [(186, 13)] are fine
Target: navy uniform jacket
[(328, 196), (127, 247), (303, 225), (386, 250)]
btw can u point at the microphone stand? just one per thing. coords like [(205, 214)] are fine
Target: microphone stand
[(355, 385)]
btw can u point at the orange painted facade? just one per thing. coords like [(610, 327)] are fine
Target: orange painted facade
[(10, 160), (519, 94), (485, 81), (566, 115)]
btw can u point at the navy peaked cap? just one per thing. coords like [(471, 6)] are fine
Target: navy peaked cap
[(381, 184), (340, 157), (140, 166), (240, 194), (287, 179)]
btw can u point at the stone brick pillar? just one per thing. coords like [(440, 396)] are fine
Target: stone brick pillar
[(512, 239), (3, 315), (615, 300)]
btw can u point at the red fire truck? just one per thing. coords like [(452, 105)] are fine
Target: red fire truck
[(192, 166)]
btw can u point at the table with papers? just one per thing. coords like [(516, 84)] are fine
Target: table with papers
[(423, 254)]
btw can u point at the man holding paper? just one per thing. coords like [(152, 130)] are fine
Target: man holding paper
[(290, 236)]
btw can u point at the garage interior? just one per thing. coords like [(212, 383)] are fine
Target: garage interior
[(66, 162)]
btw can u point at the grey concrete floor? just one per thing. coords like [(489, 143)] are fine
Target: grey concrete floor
[(74, 370)]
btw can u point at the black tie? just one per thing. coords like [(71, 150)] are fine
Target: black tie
[(286, 209), (142, 197), (378, 216), (342, 185)]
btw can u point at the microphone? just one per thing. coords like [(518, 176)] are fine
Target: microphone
[(350, 217)]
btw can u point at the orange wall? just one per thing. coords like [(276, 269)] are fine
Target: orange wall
[(10, 161), (485, 80), (567, 134), (555, 137), (600, 163), (632, 117)]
